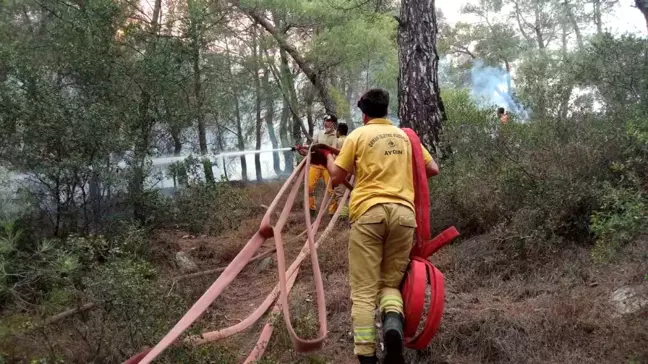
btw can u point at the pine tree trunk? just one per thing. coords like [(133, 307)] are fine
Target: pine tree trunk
[(177, 143), (597, 16), (239, 126), (286, 75), (145, 127), (257, 94), (574, 24), (240, 139), (200, 116), (284, 134), (314, 75), (269, 118), (349, 99), (642, 5), (309, 99), (418, 96)]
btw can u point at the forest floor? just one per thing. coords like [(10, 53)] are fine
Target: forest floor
[(500, 307)]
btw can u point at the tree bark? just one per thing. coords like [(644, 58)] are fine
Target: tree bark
[(200, 116), (177, 143), (597, 16), (538, 30), (240, 139), (508, 78), (257, 94), (145, 126), (418, 96), (284, 135), (309, 99), (574, 24), (269, 118), (196, 43), (175, 132), (642, 5), (349, 99), (567, 86), (297, 125), (221, 145), (239, 127)]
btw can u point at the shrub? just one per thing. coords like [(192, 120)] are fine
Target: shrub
[(205, 208), (621, 218), (538, 179)]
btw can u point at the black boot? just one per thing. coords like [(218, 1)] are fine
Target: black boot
[(393, 338), (368, 359)]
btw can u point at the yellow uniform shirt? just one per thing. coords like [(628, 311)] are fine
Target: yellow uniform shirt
[(340, 141), (382, 157), (322, 137)]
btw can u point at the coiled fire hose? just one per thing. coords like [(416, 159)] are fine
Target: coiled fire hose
[(420, 270)]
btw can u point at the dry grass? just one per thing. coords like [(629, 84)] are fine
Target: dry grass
[(555, 311)]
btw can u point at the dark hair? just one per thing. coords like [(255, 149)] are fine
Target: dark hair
[(331, 117), (374, 103), (343, 128), (500, 111)]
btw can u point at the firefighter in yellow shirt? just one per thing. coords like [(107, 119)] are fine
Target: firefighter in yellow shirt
[(383, 222), (328, 137)]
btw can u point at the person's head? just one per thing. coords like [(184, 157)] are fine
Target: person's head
[(330, 122), (374, 104), (342, 129), (503, 115)]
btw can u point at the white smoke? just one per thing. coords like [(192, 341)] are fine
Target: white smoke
[(490, 87)]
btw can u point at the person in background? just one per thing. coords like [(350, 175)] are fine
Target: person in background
[(382, 219), (503, 115), (342, 131), (328, 136)]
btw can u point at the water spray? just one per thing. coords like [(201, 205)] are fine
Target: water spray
[(157, 161)]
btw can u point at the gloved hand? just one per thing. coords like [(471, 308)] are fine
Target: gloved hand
[(319, 153), (301, 149)]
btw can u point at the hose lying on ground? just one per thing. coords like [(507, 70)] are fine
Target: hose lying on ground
[(286, 278)]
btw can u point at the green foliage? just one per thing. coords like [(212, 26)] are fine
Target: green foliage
[(50, 271), (611, 65), (204, 208), (132, 312), (30, 273), (622, 216), (535, 182)]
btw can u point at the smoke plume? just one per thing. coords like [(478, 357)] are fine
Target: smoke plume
[(490, 87)]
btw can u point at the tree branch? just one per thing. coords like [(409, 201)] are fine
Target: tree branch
[(312, 74)]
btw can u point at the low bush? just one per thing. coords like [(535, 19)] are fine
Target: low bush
[(541, 181)]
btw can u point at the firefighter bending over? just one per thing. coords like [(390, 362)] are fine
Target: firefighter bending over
[(381, 212)]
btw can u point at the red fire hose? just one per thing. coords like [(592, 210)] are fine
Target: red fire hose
[(414, 285), (420, 271)]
